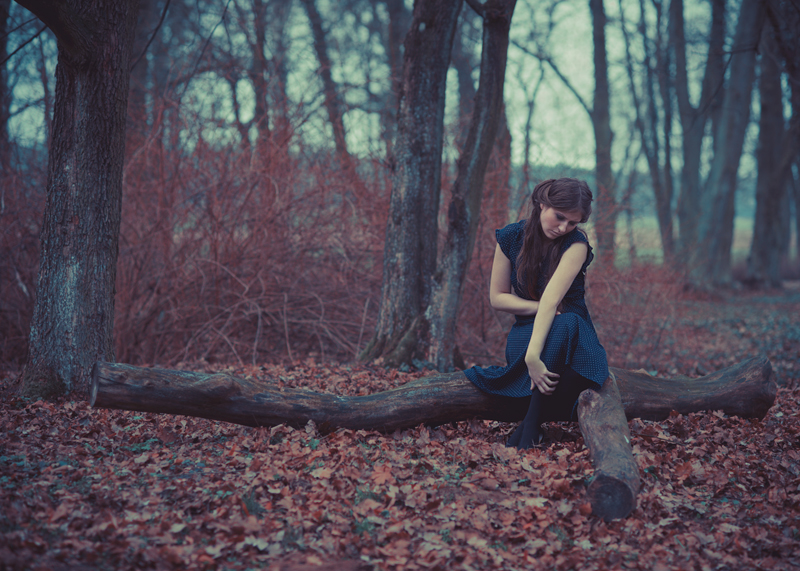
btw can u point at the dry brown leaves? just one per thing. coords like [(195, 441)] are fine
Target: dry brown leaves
[(84, 488)]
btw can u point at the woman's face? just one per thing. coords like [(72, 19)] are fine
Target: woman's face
[(556, 223)]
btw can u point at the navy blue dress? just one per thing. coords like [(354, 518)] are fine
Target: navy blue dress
[(572, 340)]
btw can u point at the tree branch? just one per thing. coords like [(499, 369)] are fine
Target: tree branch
[(547, 59), (73, 35), (476, 6)]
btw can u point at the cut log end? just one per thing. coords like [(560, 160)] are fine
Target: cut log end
[(610, 497), (601, 417)]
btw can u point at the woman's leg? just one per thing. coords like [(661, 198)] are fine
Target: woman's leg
[(561, 405), (529, 432)]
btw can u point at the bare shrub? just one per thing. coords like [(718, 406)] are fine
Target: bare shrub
[(225, 256), (635, 310), (22, 200)]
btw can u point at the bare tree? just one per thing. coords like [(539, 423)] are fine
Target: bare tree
[(715, 225), (74, 313), (411, 230), (465, 203), (333, 102), (693, 118), (777, 148), (648, 122), (606, 212), (599, 113), (5, 96)]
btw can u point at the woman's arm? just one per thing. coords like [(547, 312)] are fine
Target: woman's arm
[(571, 262), (501, 296)]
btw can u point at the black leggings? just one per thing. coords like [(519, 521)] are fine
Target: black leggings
[(559, 406), (562, 405)]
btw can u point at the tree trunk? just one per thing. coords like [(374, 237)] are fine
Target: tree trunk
[(465, 202), (399, 21), (73, 319), (785, 20), (747, 390), (332, 101), (411, 230), (776, 150), (657, 71), (715, 225), (259, 75), (606, 212), (5, 98), (462, 61), (615, 484), (693, 119)]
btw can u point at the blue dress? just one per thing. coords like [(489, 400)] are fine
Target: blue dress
[(572, 340)]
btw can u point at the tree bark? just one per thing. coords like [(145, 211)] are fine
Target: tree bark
[(465, 203), (332, 99), (648, 124), (73, 318), (776, 151), (412, 229), (5, 97), (259, 74), (717, 204), (615, 484), (399, 21), (747, 389), (694, 118), (605, 216)]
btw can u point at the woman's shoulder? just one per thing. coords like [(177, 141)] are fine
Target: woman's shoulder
[(578, 236), (510, 236), (575, 236)]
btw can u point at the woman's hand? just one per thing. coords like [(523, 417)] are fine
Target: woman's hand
[(541, 378)]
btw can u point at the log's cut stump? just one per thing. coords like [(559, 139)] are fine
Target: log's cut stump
[(615, 484)]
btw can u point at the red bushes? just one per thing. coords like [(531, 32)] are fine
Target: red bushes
[(22, 201), (225, 257)]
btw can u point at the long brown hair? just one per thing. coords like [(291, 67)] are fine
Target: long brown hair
[(566, 195)]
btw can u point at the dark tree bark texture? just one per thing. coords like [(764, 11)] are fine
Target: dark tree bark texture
[(776, 150), (411, 230), (606, 212), (615, 484), (717, 204), (5, 96), (694, 118), (332, 99), (747, 390), (73, 317), (465, 203)]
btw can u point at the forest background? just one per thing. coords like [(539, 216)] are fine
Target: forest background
[(256, 201), (259, 169)]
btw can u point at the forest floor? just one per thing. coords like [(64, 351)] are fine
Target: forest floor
[(84, 488)]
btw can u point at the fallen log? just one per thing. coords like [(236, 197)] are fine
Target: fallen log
[(747, 389), (615, 484)]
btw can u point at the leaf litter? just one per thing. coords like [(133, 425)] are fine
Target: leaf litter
[(84, 488)]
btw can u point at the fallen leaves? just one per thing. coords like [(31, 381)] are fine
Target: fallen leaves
[(110, 489)]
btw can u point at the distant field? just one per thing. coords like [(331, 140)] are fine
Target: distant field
[(647, 241)]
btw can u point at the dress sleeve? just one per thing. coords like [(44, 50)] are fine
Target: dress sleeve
[(510, 239), (574, 237)]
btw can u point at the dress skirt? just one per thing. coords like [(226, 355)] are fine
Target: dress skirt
[(571, 343)]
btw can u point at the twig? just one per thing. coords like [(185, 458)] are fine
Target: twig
[(286, 328), (361, 331)]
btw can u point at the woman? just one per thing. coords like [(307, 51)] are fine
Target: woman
[(538, 275)]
